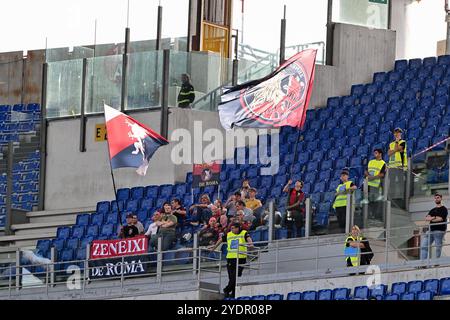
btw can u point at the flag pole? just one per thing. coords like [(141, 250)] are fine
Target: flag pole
[(112, 174)]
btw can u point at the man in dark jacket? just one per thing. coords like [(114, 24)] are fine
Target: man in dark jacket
[(187, 94), (295, 208)]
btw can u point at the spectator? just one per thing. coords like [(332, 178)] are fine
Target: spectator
[(200, 213), (357, 249), (230, 205), (223, 221), (129, 230), (340, 202), (178, 211), (152, 230), (138, 224), (209, 234), (166, 230), (252, 203), (295, 208), (375, 174), (218, 209), (248, 213), (398, 165), (245, 189), (437, 218), (187, 93)]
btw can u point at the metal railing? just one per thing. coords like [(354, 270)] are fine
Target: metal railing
[(268, 270)]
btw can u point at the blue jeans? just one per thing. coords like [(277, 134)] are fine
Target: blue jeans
[(427, 240)]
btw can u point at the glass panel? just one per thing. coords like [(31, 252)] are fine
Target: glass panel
[(207, 73), (144, 79), (368, 13), (104, 83), (64, 88)]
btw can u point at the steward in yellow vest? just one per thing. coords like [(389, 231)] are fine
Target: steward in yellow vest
[(397, 151), (376, 169), (340, 201), (355, 244), (237, 241)]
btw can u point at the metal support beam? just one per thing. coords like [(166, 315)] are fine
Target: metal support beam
[(283, 38), (124, 95), (165, 95), (43, 139), (159, 260), (348, 214), (52, 266), (159, 28), (189, 32), (195, 255), (9, 188), (365, 207), (271, 221), (235, 70), (18, 269), (447, 19), (330, 36), (408, 184), (308, 217), (83, 118)]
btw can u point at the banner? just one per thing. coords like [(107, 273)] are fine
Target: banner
[(206, 174), (106, 262), (277, 100)]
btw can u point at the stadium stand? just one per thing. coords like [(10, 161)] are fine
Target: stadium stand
[(15, 122), (413, 96)]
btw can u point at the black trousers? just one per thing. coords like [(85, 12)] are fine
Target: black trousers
[(295, 221), (341, 213), (231, 268)]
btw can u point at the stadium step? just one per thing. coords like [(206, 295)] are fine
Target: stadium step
[(57, 215), (38, 228), (420, 205)]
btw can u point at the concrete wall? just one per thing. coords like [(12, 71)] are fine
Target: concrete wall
[(358, 53), (75, 179)]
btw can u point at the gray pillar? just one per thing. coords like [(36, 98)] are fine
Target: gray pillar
[(52, 266), (9, 188), (283, 38), (330, 36), (348, 214), (159, 28), (165, 95), (43, 139), (308, 217), (159, 261), (195, 254), (271, 221), (83, 118), (124, 95)]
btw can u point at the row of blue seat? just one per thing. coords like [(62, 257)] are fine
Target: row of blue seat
[(413, 290)]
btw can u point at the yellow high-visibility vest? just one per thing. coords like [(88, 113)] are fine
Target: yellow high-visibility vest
[(395, 160), (235, 241), (354, 258), (374, 168), (341, 199)]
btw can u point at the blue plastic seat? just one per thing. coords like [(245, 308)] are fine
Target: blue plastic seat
[(325, 294), (444, 286), (361, 292), (58, 244), (151, 192), (97, 219), (117, 205), (325, 175), (415, 286), (431, 285), (123, 194), (429, 62), (310, 295), (425, 295), (92, 231), (80, 254), (86, 241), (415, 63), (43, 246), (78, 231), (103, 207), (341, 163), (379, 290), (319, 187), (274, 297), (392, 297), (379, 77), (137, 193), (83, 219), (72, 243), (63, 233), (410, 296), (357, 89), (107, 230), (258, 297), (66, 255), (131, 205), (294, 296), (399, 288), (146, 204), (341, 294)]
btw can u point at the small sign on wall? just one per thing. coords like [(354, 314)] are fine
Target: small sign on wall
[(100, 132)]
